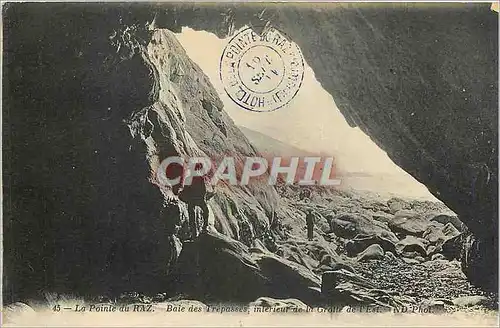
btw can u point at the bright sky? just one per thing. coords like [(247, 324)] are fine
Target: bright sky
[(311, 121)]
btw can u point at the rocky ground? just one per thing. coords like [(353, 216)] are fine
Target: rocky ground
[(425, 276), (438, 280), (375, 257)]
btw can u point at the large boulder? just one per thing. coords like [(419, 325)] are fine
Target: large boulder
[(345, 288), (205, 265), (437, 256), (445, 219), (397, 204), (450, 242), (348, 225), (285, 279), (434, 234), (443, 239), (412, 244), (383, 217), (372, 252), (408, 223), (333, 278), (361, 242), (310, 254), (202, 268), (450, 231), (452, 248)]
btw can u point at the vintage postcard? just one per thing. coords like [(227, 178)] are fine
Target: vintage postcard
[(249, 164)]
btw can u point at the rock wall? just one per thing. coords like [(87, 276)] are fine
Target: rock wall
[(95, 102), (79, 205)]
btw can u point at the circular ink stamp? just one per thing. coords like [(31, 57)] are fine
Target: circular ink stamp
[(261, 73)]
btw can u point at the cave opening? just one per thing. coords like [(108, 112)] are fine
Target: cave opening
[(81, 220)]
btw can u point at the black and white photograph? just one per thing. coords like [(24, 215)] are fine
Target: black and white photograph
[(246, 164)]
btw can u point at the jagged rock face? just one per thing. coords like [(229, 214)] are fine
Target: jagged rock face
[(95, 103), (193, 123)]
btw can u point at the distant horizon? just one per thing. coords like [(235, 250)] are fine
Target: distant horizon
[(317, 132), (356, 181), (298, 151)]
